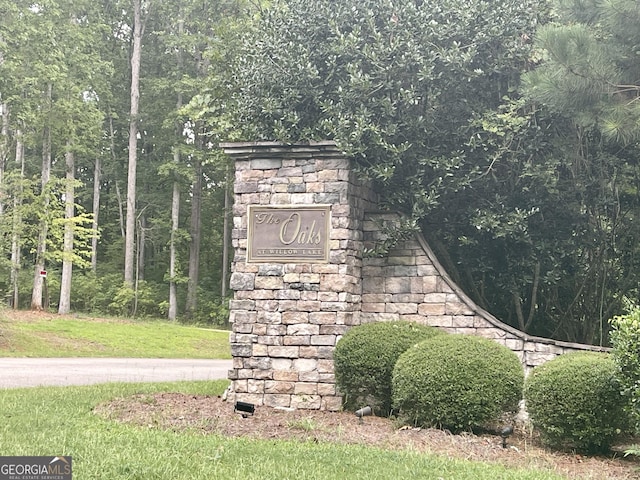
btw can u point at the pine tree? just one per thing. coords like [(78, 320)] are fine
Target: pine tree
[(590, 66)]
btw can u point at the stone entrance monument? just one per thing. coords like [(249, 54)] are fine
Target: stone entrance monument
[(302, 221)]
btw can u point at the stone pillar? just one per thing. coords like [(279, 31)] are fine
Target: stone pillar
[(291, 305)]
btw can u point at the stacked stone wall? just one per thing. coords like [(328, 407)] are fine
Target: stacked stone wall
[(287, 317), (410, 284)]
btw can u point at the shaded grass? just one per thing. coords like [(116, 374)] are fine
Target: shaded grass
[(60, 421), (71, 337)]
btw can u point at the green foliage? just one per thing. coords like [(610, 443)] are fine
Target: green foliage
[(457, 382), (394, 84), (625, 340), (364, 360), (575, 401), (590, 67)]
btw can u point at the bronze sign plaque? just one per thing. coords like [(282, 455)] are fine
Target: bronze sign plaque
[(288, 234)]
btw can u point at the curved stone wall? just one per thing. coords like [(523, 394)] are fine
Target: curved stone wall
[(287, 314)]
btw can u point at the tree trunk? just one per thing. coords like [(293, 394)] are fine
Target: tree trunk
[(129, 254), (67, 255), (4, 146), (142, 239), (175, 218), (194, 247), (17, 224), (175, 201), (97, 178), (41, 247)]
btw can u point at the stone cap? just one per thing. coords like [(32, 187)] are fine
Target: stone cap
[(246, 150)]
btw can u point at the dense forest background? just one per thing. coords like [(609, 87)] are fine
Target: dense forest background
[(506, 131)]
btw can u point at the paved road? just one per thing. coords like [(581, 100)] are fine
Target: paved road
[(32, 372)]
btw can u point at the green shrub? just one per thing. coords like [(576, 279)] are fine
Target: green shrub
[(365, 357), (575, 402), (457, 382), (625, 340)]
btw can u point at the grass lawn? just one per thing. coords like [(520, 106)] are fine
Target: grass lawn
[(23, 334), (60, 421)]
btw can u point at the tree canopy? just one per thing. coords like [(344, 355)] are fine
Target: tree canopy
[(522, 202)]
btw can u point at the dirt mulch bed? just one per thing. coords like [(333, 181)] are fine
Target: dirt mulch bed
[(206, 414)]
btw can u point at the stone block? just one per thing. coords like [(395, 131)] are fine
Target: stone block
[(323, 340), (333, 329), (303, 198), (281, 363), (262, 374), (277, 400), (306, 388), (309, 352), (267, 305), (259, 329), (373, 307), (278, 387), (242, 305), (240, 386), (430, 284), (462, 321), (296, 340), (275, 330), (331, 404), (305, 364), (534, 359), (258, 363), (402, 308), (325, 389), (285, 375), (457, 308), (324, 352), (238, 350), (260, 350), (435, 298), (242, 281), (243, 327), (245, 187), (265, 163), (295, 318), (397, 285), (269, 283), (284, 352), (443, 321), (270, 318), (431, 309), (328, 296), (255, 386), (306, 402), (325, 366), (303, 329), (287, 294), (270, 270)]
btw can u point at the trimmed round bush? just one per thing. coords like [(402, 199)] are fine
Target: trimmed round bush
[(457, 382), (364, 360), (575, 402)]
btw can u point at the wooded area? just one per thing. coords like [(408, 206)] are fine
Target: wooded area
[(506, 131), (108, 186)]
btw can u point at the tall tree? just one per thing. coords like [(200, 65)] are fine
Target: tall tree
[(140, 12), (589, 68), (64, 305)]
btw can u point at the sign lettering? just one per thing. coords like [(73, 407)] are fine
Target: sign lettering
[(288, 234)]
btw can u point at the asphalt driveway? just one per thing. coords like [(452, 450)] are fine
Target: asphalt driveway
[(32, 372)]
